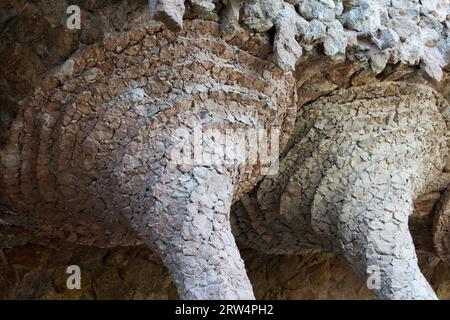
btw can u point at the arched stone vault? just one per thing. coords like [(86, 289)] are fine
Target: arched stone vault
[(90, 157)]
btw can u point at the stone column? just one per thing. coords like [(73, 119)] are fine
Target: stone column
[(189, 226), (369, 228), (389, 146), (358, 160), (116, 117)]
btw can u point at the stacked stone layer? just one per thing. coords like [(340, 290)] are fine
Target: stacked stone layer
[(382, 32)]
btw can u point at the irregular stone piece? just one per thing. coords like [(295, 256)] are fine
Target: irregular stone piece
[(324, 10), (230, 16), (412, 31), (387, 38), (286, 48), (203, 6), (378, 62), (410, 50), (260, 15), (436, 8), (444, 48), (316, 31), (169, 12), (432, 62), (365, 16)]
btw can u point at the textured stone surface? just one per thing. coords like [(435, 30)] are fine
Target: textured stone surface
[(348, 183), (286, 49), (169, 12), (260, 15), (85, 129), (380, 31), (39, 272), (108, 136)]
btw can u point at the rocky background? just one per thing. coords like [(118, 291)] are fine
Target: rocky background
[(34, 39), (39, 272)]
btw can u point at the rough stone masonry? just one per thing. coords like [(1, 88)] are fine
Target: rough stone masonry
[(89, 156)]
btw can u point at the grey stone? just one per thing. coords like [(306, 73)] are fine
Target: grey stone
[(169, 12), (203, 6), (336, 40), (324, 10), (287, 50), (316, 31), (260, 15)]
